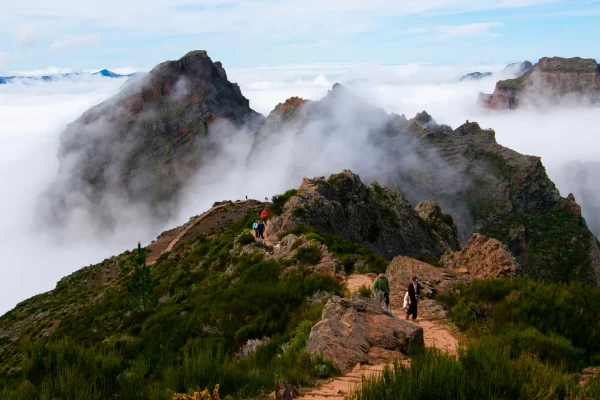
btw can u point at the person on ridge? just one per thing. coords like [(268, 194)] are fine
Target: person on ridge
[(264, 215), (381, 288), (414, 291)]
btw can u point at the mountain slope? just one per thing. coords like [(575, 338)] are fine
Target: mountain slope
[(486, 187), (143, 145)]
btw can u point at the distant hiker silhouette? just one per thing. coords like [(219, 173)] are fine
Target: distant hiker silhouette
[(246, 197), (266, 199)]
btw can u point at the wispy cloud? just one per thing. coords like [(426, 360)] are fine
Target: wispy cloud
[(447, 32), (28, 35), (70, 42)]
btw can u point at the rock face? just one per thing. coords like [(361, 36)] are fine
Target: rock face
[(441, 225), (485, 187), (433, 280), (357, 330), (547, 80), (377, 217), (144, 144), (483, 258)]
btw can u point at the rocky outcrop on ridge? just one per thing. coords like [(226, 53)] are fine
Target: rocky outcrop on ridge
[(515, 70), (142, 145), (357, 331), (377, 217), (433, 280), (547, 80), (483, 258), (441, 225)]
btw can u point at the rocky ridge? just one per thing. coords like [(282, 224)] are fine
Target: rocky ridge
[(377, 217), (546, 81)]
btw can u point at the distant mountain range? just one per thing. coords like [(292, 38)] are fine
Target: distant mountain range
[(516, 69), (50, 78)]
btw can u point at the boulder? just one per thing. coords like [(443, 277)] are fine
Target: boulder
[(483, 258), (433, 279), (357, 330)]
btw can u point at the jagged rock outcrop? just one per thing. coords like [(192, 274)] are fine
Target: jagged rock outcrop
[(514, 70), (433, 279), (357, 330), (441, 225), (483, 258), (485, 187), (377, 217), (143, 145), (547, 80), (474, 76)]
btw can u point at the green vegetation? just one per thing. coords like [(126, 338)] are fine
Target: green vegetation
[(553, 322), (278, 201), (365, 291), (481, 371), (515, 83), (309, 255), (557, 244), (528, 341), (353, 255), (220, 203), (188, 341)]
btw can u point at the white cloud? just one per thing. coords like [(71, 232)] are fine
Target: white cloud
[(28, 35), (5, 58), (70, 42), (32, 117)]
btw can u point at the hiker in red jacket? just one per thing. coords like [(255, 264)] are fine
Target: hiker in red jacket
[(264, 215), (414, 291)]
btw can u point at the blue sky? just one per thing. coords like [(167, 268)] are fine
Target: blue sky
[(88, 34)]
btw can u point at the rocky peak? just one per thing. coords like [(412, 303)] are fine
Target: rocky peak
[(147, 141), (377, 217)]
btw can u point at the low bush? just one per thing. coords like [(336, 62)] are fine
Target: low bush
[(309, 255), (365, 291), (279, 200)]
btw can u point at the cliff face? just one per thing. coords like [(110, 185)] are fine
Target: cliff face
[(549, 78), (379, 218), (147, 141)]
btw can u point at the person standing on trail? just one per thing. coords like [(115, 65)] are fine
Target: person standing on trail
[(255, 228), (264, 215), (381, 288), (414, 292), (261, 230)]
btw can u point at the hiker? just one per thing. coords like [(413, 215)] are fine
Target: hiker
[(414, 291), (381, 288), (246, 197), (405, 305), (264, 215), (260, 228), (255, 228)]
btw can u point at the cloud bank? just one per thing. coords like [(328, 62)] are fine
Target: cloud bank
[(32, 117)]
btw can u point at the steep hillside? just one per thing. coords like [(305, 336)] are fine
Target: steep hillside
[(547, 80), (142, 145), (485, 187)]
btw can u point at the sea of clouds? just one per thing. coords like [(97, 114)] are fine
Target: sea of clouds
[(32, 116)]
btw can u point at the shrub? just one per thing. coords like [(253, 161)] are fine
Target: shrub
[(278, 201), (479, 372), (309, 255), (245, 238), (220, 203), (365, 291)]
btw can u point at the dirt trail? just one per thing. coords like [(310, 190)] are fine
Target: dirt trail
[(436, 333), (204, 223)]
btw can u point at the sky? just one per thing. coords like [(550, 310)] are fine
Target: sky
[(87, 34)]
